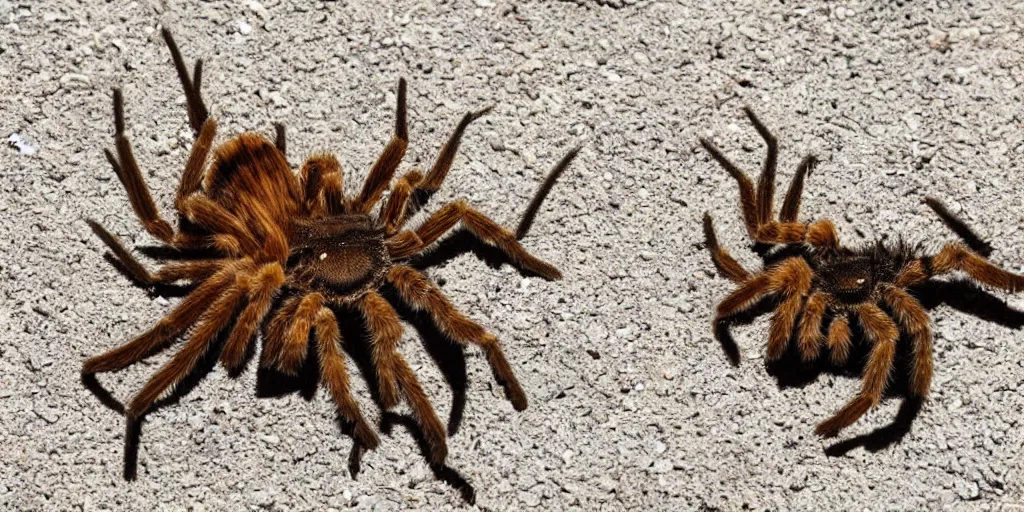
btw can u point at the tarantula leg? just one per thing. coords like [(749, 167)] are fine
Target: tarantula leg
[(742, 298), (820, 234), (172, 272), (748, 203), (265, 284), (176, 322), (192, 178), (404, 244), (727, 266), (782, 326), (421, 294), (809, 338), (127, 170), (543, 191), (214, 217), (296, 340), (335, 377), (766, 183), (321, 179), (839, 340), (197, 112), (883, 333), (137, 270), (959, 227), (273, 241), (214, 319), (274, 339), (386, 333), (793, 279), (280, 139), (386, 330), (393, 212), (486, 230), (957, 257), (446, 157), (912, 317), (386, 165), (791, 205)]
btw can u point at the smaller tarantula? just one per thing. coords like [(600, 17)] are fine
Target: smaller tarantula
[(285, 254), (822, 286)]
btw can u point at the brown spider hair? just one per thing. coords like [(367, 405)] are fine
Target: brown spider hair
[(285, 254), (820, 286)]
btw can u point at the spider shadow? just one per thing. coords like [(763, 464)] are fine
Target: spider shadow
[(449, 357), (133, 429), (460, 242), (271, 383), (791, 371), (155, 290), (444, 473)]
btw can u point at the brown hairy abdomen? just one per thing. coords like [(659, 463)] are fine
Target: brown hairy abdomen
[(249, 173)]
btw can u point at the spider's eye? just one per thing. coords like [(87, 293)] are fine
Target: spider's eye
[(859, 281), (323, 256)]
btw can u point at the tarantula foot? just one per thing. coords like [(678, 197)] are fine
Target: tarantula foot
[(828, 429)]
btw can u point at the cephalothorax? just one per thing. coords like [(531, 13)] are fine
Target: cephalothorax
[(285, 253), (821, 288)]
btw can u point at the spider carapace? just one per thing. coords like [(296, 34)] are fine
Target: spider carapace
[(821, 289), (276, 254)]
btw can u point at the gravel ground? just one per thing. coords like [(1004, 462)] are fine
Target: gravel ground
[(633, 403)]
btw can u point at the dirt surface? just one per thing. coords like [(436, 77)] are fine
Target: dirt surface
[(633, 403)]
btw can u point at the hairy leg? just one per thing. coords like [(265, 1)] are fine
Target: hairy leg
[(192, 178), (212, 216), (484, 229), (766, 183), (912, 317), (883, 334), (265, 284), (274, 339), (296, 338), (335, 378), (394, 212), (743, 297), (197, 113), (810, 338), (127, 170), (839, 339), (213, 320), (446, 157), (192, 270), (396, 375), (821, 234), (322, 182), (280, 141), (727, 266), (748, 203), (792, 280), (386, 165), (417, 291), (780, 330), (187, 312), (957, 257), (791, 205)]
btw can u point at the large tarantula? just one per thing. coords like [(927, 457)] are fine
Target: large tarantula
[(821, 286), (289, 252)]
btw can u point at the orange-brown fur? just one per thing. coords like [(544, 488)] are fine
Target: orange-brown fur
[(292, 251), (845, 283)]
